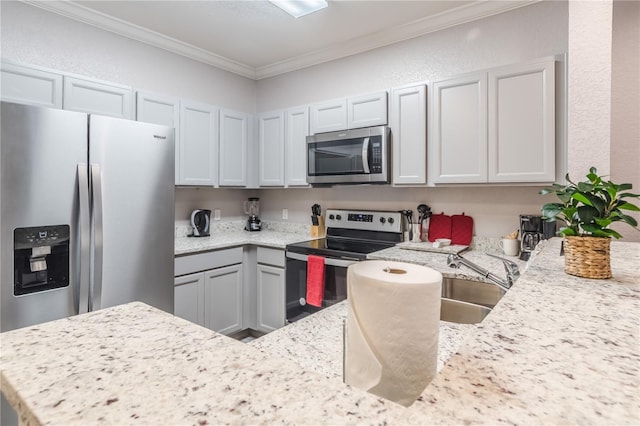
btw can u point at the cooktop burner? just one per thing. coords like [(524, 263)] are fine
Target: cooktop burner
[(353, 234), (339, 247)]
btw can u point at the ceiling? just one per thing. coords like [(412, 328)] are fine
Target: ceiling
[(258, 40)]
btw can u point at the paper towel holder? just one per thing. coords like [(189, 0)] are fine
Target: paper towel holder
[(394, 271)]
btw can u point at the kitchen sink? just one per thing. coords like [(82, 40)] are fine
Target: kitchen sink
[(467, 302)]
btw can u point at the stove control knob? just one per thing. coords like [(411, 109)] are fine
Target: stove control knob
[(383, 220), (390, 220), (338, 217), (331, 217)]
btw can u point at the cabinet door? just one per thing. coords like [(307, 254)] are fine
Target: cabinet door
[(189, 298), (271, 140), (270, 295), (409, 130), (198, 144), (233, 148), (367, 110), (522, 123), (297, 130), (97, 97), (33, 86), (328, 116), (458, 139), (164, 110), (223, 299)]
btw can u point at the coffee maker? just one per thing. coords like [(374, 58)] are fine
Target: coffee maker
[(533, 229), (252, 208)]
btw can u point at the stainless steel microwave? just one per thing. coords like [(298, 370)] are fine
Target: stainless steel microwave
[(349, 157)]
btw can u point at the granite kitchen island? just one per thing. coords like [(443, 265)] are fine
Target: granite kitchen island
[(557, 349)]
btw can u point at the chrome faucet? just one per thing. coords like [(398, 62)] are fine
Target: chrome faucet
[(454, 260)]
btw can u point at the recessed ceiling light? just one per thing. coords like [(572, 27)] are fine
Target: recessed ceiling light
[(298, 8)]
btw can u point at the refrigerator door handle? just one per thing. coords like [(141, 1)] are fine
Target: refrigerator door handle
[(96, 189), (85, 237)]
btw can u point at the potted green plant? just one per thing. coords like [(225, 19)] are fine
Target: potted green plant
[(588, 208)]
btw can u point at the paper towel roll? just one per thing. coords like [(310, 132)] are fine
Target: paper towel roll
[(392, 327)]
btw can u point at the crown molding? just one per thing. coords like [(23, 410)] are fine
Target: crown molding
[(450, 18), (118, 26), (457, 16)]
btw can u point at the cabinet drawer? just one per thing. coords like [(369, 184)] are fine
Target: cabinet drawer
[(270, 256), (209, 260)]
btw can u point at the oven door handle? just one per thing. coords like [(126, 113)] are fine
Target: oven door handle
[(327, 260)]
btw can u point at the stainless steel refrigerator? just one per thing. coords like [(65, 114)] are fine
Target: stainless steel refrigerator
[(87, 220)]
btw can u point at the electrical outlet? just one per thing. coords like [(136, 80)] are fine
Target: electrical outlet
[(285, 214), (216, 214)]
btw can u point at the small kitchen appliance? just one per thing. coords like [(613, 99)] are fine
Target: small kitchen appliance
[(350, 236), (252, 208), (531, 234), (356, 156), (201, 222)]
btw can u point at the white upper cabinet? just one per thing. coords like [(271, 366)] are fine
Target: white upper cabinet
[(522, 123), (31, 85), (97, 97), (367, 110), (271, 148), (349, 113), (495, 126), (296, 132), (329, 116), (164, 110), (458, 130), (408, 124), (198, 144), (233, 148)]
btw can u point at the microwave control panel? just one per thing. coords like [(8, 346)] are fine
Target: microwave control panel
[(376, 156)]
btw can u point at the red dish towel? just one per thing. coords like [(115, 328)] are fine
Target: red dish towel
[(315, 280)]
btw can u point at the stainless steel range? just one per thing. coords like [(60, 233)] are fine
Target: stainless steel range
[(351, 235)]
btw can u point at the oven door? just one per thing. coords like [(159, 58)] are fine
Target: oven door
[(335, 284)]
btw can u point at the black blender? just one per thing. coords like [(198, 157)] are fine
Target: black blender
[(252, 208)]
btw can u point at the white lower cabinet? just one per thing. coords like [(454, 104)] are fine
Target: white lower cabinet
[(188, 298), (270, 285), (270, 297), (223, 299), (208, 289)]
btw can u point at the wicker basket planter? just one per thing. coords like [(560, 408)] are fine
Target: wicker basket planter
[(587, 257)]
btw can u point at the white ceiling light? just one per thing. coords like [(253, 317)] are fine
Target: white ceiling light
[(298, 8)]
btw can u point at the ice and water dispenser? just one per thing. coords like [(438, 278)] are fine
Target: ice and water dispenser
[(41, 258)]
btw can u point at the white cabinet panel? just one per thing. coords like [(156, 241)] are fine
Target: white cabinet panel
[(189, 298), (409, 134), (198, 144), (223, 299), (328, 116), (233, 148), (271, 141), (297, 130), (159, 109), (97, 97), (458, 137), (522, 123), (367, 110), (33, 86), (271, 295)]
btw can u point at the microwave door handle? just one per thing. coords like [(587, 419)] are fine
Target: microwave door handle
[(365, 155)]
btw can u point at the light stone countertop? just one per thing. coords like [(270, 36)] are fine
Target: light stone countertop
[(315, 342), (557, 349), (231, 234)]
